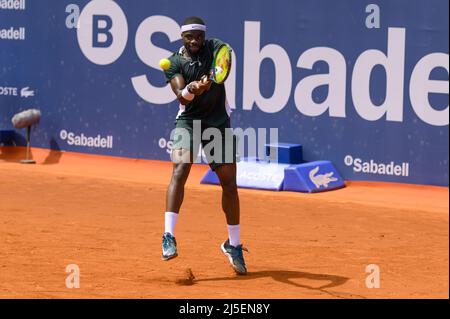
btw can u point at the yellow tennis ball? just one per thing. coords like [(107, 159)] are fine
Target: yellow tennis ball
[(164, 64)]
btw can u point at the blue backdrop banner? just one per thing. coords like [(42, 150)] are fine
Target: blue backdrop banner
[(364, 85)]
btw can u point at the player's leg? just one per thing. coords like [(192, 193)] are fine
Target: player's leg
[(175, 190), (226, 172), (174, 199), (182, 162), (225, 167), (230, 196), (232, 247), (220, 153)]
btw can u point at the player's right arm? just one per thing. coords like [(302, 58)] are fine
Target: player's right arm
[(186, 93)]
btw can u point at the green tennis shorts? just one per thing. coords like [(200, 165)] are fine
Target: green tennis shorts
[(218, 142)]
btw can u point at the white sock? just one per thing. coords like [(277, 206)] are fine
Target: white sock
[(234, 232), (170, 221)]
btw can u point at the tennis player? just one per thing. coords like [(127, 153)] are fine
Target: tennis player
[(203, 101)]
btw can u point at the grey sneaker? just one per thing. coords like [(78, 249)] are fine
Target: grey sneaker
[(169, 247), (235, 256)]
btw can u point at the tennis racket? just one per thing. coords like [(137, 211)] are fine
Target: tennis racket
[(221, 65)]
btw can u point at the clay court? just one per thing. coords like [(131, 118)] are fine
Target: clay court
[(106, 215)]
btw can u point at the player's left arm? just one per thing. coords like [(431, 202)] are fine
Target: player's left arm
[(186, 93)]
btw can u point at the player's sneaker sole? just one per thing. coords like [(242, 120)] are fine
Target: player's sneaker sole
[(165, 258)]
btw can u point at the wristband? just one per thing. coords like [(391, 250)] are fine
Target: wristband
[(186, 94)]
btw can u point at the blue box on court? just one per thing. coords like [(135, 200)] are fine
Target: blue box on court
[(284, 153), (289, 173), (312, 177)]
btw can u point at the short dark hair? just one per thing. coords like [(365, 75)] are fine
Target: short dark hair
[(193, 20)]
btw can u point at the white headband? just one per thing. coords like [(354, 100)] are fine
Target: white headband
[(193, 27)]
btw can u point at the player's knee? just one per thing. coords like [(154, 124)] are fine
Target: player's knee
[(230, 191), (181, 156), (181, 172), (229, 185)]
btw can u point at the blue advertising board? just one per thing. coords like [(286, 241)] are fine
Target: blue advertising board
[(361, 84)]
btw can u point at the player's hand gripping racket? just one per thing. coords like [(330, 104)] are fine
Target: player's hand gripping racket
[(221, 65)]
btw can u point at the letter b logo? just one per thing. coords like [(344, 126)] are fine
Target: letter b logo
[(102, 31)]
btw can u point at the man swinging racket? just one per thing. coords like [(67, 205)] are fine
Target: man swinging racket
[(196, 74)]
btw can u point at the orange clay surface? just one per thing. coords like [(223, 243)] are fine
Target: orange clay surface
[(106, 215)]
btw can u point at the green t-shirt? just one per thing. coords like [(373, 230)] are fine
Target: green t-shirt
[(210, 106)]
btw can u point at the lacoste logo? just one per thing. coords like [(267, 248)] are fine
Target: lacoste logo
[(26, 92), (321, 179)]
